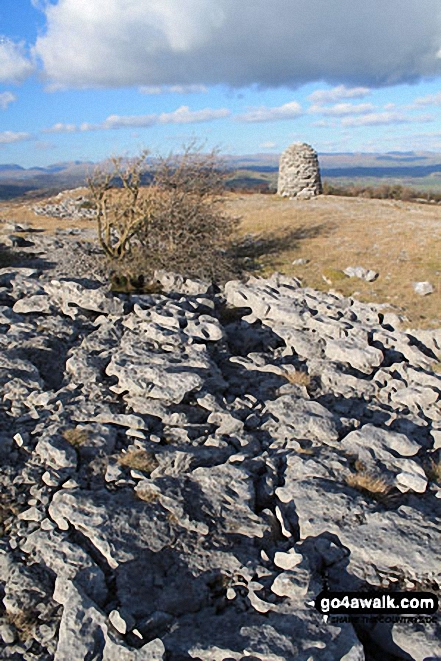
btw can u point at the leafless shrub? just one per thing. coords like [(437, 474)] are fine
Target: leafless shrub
[(175, 223), (119, 216)]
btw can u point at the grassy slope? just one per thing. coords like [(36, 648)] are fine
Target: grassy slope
[(400, 240)]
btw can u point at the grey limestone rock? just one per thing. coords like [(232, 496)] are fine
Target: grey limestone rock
[(360, 272), (423, 288), (36, 304), (250, 427), (70, 296), (292, 417), (81, 614), (117, 525), (358, 355)]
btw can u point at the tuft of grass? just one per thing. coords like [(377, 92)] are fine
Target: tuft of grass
[(331, 276), (297, 377), (24, 622), (172, 519), (368, 483), (433, 470), (436, 367), (307, 450), (147, 495), (76, 436), (8, 510), (131, 283), (140, 460)]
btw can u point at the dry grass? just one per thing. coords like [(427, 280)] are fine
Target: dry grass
[(436, 367), (296, 377), (397, 239), (147, 495), (433, 470), (76, 436), (20, 212), (24, 623), (8, 510), (370, 484), (140, 460), (333, 276), (172, 519)]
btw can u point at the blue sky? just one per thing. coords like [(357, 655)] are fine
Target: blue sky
[(86, 79)]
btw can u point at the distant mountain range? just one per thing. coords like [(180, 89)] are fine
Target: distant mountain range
[(417, 169)]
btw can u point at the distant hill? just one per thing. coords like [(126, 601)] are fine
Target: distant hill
[(419, 170)]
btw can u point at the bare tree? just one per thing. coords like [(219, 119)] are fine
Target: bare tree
[(119, 215), (177, 222)]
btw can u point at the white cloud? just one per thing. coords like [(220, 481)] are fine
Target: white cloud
[(337, 94), (121, 122), (15, 67), (61, 128), (6, 98), (182, 115), (109, 43), (287, 111), (324, 124), (384, 118), (173, 89), (341, 109), (268, 145), (429, 100), (8, 137)]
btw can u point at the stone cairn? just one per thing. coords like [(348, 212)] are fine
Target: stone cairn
[(299, 172)]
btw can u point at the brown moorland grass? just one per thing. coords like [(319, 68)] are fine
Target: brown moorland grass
[(372, 485), (400, 240), (139, 459)]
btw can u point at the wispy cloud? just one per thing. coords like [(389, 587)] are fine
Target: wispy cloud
[(60, 127), (263, 114), (182, 115), (429, 100), (15, 66), (337, 94), (9, 137), (385, 118), (6, 98), (120, 122), (173, 89), (342, 109)]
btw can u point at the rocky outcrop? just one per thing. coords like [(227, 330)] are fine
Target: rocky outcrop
[(299, 172), (68, 205), (184, 472)]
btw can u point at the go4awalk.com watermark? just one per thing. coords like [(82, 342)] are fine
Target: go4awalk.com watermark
[(380, 605)]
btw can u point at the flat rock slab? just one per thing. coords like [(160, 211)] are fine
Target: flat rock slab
[(118, 525), (293, 417)]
